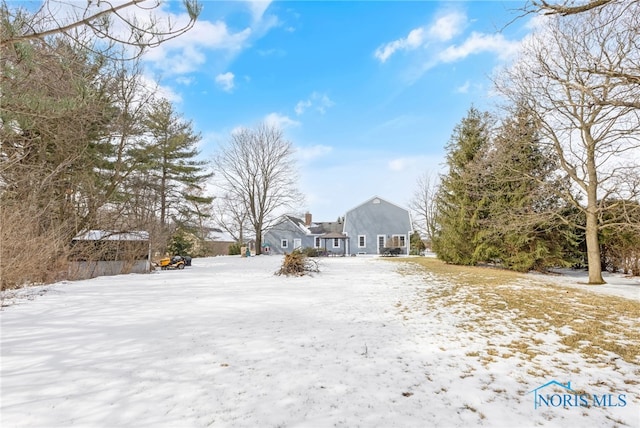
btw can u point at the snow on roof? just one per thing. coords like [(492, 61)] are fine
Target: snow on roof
[(109, 235)]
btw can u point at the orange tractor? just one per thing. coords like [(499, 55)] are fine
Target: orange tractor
[(175, 262)]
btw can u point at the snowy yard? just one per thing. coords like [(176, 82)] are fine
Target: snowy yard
[(226, 343)]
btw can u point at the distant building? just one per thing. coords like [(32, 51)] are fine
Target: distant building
[(214, 242), (372, 227), (291, 233), (100, 252), (376, 225)]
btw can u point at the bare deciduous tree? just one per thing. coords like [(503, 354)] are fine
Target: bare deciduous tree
[(231, 215), (583, 114), (257, 171), (423, 205)]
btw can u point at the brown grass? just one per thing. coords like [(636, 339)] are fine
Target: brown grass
[(589, 323)]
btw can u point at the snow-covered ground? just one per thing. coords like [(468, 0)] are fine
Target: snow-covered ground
[(617, 284), (226, 343)]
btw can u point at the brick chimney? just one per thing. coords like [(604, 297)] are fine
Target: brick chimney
[(307, 219)]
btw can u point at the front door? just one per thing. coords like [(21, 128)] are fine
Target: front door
[(297, 243), (381, 243)]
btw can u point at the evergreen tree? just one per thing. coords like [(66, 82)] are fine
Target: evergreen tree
[(520, 223), (620, 242), (53, 116), (179, 245), (458, 204), (417, 244), (175, 173)]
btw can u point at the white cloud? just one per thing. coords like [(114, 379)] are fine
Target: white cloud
[(169, 93), (412, 41), (186, 53), (313, 152), (478, 43), (464, 88), (442, 29), (160, 91), (320, 102), (302, 106), (225, 81), (402, 164), (262, 21), (447, 26), (279, 121), (258, 8), (186, 81)]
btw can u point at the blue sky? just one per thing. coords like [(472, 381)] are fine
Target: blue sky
[(367, 91)]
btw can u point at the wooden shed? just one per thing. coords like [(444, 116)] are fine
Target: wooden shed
[(100, 252)]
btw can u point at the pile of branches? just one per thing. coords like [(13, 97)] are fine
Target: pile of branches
[(297, 263)]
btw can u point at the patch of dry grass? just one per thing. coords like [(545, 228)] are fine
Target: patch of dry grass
[(589, 323)]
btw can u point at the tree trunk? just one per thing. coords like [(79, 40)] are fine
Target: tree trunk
[(258, 243), (593, 245), (593, 249)]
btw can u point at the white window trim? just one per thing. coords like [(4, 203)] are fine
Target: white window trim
[(317, 242), (364, 241), (336, 241), (284, 243), (402, 240)]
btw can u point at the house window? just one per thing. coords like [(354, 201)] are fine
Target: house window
[(362, 241), (317, 242), (284, 243), (398, 241), (336, 243)]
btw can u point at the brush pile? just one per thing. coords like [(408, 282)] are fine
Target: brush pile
[(297, 263)]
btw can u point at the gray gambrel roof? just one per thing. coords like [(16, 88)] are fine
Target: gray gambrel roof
[(379, 198)]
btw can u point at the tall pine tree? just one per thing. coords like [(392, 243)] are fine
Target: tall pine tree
[(171, 161), (458, 203), (520, 228)]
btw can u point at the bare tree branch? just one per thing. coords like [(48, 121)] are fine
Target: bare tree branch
[(20, 26), (565, 7)]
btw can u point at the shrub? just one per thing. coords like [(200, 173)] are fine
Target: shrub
[(234, 249), (310, 252), (179, 244)]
